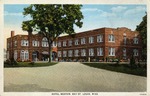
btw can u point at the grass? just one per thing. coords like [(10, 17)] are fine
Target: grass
[(29, 64), (122, 68)]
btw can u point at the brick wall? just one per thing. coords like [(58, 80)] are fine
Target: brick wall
[(30, 48), (119, 45)]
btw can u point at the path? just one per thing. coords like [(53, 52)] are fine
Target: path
[(70, 77)]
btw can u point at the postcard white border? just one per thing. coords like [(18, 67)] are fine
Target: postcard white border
[(147, 2)]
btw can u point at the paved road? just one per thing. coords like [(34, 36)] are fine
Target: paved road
[(70, 77)]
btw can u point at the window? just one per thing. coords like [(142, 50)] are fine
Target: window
[(135, 52), (64, 53), (15, 43), (83, 52), (70, 42), (76, 42), (70, 53), (7, 55), (135, 40), (59, 44), (76, 53), (59, 53), (8, 45), (54, 44), (82, 40), (125, 40), (24, 43), (91, 52), (100, 38), (111, 51), (64, 43), (44, 42), (91, 39), (24, 55), (15, 54), (99, 51), (111, 38), (124, 52), (35, 43)]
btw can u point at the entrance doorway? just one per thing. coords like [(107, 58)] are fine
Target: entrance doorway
[(35, 56), (54, 56), (45, 56)]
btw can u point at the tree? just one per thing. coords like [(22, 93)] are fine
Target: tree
[(27, 26), (52, 20), (142, 28)]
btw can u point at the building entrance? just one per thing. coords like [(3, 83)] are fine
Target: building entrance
[(35, 56), (54, 56), (45, 56)]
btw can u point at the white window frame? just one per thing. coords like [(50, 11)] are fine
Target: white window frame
[(54, 44), (91, 39), (24, 54), (91, 52), (64, 43), (7, 55), (124, 39), (76, 42), (76, 53), (15, 55), (15, 43), (135, 52), (59, 44), (70, 53), (83, 41), (124, 52), (8, 45), (99, 51), (111, 38), (70, 42), (136, 40), (59, 53), (24, 43), (65, 53), (111, 51), (35, 43), (83, 52), (45, 42), (100, 38)]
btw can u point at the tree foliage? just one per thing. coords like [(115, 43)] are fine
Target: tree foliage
[(52, 20), (26, 26), (142, 28)]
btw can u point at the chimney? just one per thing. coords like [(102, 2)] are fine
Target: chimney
[(12, 33)]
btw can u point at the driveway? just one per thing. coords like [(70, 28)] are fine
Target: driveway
[(70, 77)]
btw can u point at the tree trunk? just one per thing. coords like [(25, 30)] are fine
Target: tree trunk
[(50, 51)]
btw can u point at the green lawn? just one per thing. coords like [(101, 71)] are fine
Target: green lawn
[(123, 68), (29, 64)]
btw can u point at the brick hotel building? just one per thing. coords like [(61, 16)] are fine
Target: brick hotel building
[(100, 44), (29, 48)]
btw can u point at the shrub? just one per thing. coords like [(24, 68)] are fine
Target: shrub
[(10, 62), (132, 62), (32, 63), (115, 60), (118, 61), (7, 62), (14, 62)]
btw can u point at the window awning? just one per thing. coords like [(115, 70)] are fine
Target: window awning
[(45, 52)]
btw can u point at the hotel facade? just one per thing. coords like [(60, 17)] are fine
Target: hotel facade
[(29, 48), (103, 44)]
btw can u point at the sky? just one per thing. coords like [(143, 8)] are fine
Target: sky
[(95, 16)]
